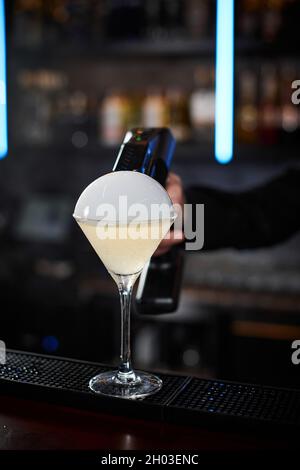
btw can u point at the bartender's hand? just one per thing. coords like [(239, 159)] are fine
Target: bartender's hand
[(175, 190)]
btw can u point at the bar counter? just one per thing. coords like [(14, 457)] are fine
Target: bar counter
[(30, 425)]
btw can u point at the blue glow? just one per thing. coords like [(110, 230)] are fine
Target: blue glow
[(50, 343), (3, 102), (224, 118)]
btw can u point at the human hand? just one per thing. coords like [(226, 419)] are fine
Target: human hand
[(174, 237)]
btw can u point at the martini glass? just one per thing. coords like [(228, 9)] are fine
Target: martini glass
[(125, 215)]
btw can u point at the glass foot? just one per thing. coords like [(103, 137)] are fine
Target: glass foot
[(139, 385)]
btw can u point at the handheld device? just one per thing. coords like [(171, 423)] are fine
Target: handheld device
[(150, 151)]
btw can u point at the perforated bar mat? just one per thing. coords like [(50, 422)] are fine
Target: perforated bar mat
[(185, 400)]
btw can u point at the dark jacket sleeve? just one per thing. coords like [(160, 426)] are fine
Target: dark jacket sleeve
[(263, 216)]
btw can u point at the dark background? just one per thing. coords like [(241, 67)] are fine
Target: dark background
[(79, 74)]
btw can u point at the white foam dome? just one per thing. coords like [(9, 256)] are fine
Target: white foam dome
[(121, 196)]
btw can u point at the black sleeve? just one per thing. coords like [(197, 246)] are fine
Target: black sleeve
[(263, 216)]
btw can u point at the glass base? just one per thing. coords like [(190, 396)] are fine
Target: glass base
[(139, 385)]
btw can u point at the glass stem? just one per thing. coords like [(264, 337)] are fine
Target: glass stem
[(125, 356), (125, 372)]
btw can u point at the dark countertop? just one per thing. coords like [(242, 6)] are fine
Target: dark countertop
[(25, 424)]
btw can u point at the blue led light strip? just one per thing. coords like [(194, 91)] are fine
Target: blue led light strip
[(3, 101), (224, 112)]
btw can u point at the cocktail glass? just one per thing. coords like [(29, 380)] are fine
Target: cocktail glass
[(125, 215)]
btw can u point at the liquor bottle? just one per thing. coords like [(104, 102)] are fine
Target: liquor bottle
[(154, 109), (54, 19), (178, 114), (36, 116), (202, 104), (97, 20), (289, 111), (153, 24), (134, 113), (271, 20), (248, 18), (270, 106), (113, 114), (247, 111), (79, 117), (78, 25), (172, 17), (197, 18), (28, 24)]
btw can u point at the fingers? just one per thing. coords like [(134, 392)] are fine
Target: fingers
[(174, 189), (173, 178), (175, 237)]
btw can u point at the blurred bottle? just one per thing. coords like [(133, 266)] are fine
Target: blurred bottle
[(172, 16), (202, 104), (62, 115), (247, 110), (289, 111), (178, 114), (113, 116), (78, 24), (35, 111), (197, 18), (270, 106), (36, 108), (271, 19), (79, 118), (154, 29), (154, 109), (53, 17), (28, 24), (134, 112), (248, 18), (97, 19)]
